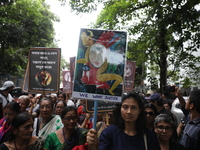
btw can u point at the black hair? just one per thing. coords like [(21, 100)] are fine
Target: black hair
[(166, 94), (33, 94), (13, 106), (64, 95), (169, 103), (64, 103), (195, 99), (19, 120), (159, 101), (140, 122), (153, 107), (67, 109)]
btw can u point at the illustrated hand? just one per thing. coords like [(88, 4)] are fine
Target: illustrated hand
[(85, 79), (106, 37)]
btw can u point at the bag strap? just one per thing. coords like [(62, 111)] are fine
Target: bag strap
[(145, 141), (6, 97), (37, 127)]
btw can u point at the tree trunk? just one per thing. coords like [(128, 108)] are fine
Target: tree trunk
[(163, 69), (163, 47)]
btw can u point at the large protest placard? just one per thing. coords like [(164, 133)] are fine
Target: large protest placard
[(44, 70), (72, 68), (129, 75), (67, 82), (100, 65), (26, 79)]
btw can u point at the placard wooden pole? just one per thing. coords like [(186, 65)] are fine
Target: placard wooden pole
[(95, 114), (107, 119)]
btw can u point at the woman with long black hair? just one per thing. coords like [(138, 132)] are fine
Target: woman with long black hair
[(21, 138), (128, 131)]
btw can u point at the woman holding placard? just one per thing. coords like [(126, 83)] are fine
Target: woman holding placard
[(128, 131)]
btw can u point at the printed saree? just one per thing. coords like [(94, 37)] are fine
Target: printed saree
[(54, 124), (53, 143), (36, 145), (4, 128)]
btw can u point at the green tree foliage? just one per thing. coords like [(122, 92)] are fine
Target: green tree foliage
[(23, 24), (166, 32), (64, 64)]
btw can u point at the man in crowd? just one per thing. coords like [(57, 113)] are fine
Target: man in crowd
[(5, 91), (157, 101), (191, 133)]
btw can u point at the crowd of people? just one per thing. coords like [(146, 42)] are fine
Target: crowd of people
[(58, 122)]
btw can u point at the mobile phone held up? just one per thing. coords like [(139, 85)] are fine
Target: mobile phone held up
[(169, 88)]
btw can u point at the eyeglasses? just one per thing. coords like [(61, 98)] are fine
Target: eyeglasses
[(74, 118), (59, 107), (149, 113), (161, 128)]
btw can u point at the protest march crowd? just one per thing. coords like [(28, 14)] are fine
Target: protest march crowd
[(60, 122)]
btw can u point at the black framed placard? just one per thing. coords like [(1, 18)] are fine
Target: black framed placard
[(103, 106), (44, 70)]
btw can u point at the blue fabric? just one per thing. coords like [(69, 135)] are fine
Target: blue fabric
[(112, 138), (190, 138)]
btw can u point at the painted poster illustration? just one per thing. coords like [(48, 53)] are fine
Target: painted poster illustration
[(100, 65)]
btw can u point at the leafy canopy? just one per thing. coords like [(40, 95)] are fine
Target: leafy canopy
[(23, 24), (164, 33)]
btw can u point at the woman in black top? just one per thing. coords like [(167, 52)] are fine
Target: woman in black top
[(165, 129)]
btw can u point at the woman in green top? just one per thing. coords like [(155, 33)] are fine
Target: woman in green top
[(70, 135)]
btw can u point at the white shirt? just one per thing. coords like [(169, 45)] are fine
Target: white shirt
[(70, 103), (6, 100)]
